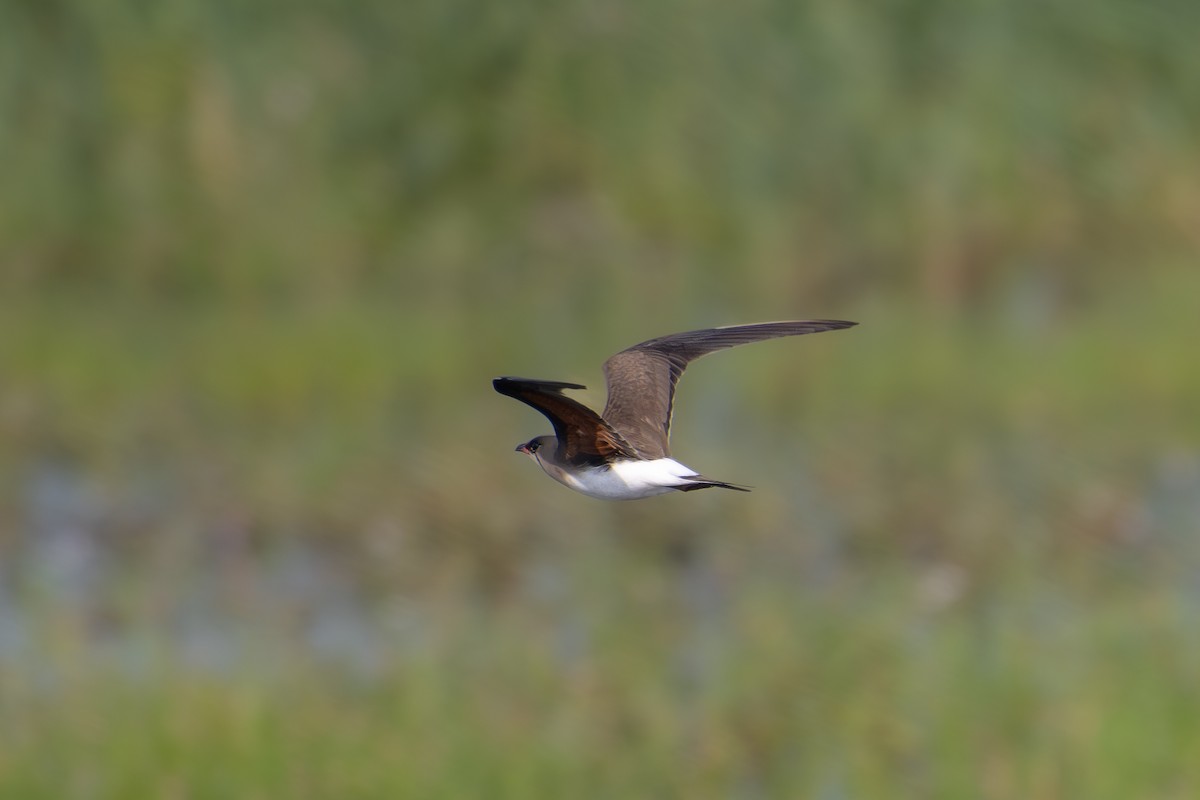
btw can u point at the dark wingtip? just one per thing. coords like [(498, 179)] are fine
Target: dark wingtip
[(508, 382)]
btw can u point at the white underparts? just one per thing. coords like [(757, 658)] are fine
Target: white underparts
[(625, 480)]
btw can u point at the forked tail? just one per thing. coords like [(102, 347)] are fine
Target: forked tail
[(701, 482)]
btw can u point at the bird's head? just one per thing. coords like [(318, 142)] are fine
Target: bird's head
[(531, 447)]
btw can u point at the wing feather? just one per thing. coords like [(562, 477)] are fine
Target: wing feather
[(641, 379), (583, 436)]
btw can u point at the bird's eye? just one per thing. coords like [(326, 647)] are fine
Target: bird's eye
[(533, 446)]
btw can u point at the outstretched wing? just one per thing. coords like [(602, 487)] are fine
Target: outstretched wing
[(641, 379), (583, 437)]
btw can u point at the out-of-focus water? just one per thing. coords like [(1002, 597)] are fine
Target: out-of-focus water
[(75, 588)]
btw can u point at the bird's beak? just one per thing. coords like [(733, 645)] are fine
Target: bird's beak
[(524, 448)]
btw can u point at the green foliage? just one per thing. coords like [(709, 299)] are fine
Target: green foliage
[(445, 152), (263, 534), (881, 687)]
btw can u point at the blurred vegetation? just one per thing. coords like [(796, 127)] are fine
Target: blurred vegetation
[(261, 529)]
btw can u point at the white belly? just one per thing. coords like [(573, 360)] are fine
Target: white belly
[(625, 480)]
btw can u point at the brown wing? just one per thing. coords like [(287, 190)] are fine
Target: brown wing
[(641, 379), (583, 437)]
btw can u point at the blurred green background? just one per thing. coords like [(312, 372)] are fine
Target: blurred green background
[(262, 532)]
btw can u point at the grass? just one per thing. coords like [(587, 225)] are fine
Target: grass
[(261, 530), (868, 690), (965, 571)]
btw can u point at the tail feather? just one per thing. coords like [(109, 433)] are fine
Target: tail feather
[(701, 482)]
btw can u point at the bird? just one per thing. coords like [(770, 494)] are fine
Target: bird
[(624, 452)]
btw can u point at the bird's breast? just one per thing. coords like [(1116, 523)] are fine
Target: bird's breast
[(623, 479)]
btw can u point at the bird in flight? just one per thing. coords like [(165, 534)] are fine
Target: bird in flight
[(623, 453)]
